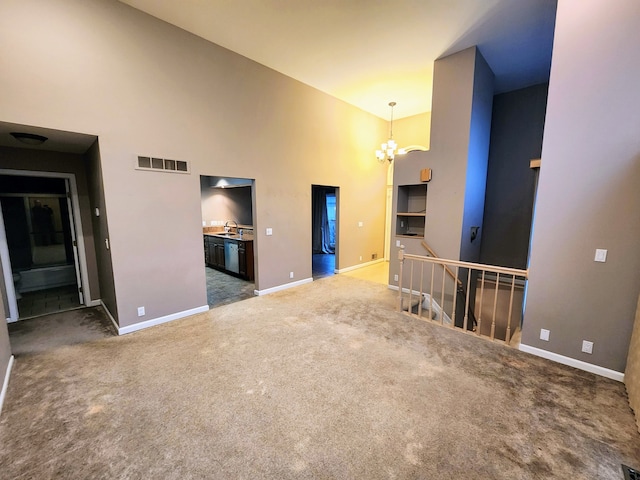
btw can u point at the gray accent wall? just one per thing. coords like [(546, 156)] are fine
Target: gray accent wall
[(100, 229), (224, 204), (462, 96), (589, 187), (477, 159), (516, 138)]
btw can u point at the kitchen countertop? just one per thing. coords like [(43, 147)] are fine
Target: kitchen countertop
[(231, 236)]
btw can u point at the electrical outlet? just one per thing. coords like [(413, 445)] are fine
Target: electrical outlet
[(374, 256), (587, 347), (397, 243), (601, 255), (290, 274), (360, 257), (544, 334), (269, 231), (360, 224), (141, 311), (395, 277)]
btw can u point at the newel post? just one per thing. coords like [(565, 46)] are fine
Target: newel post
[(401, 260)]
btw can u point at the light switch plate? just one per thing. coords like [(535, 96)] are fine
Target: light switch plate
[(601, 255), (360, 224), (397, 243), (269, 231)]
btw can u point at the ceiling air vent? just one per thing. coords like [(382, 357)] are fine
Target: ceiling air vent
[(162, 164)]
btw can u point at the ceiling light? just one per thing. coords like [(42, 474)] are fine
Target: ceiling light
[(388, 150), (29, 138)]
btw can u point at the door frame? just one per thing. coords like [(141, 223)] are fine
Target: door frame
[(76, 224), (336, 254)]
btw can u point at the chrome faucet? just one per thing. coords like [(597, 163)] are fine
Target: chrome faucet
[(227, 228)]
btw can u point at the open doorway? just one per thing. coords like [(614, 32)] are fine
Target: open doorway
[(324, 238), (39, 244), (228, 232)]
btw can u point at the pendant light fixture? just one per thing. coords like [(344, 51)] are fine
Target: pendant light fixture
[(388, 149)]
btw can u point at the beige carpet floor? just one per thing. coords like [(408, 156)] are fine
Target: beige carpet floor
[(324, 381)]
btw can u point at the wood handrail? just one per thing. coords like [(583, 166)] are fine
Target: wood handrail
[(448, 270), (465, 292), (475, 266)]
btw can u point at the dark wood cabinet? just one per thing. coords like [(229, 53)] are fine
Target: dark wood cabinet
[(214, 256), (213, 252), (245, 260), (216, 252), (207, 257), (218, 257)]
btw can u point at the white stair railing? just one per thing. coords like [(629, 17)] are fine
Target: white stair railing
[(470, 297)]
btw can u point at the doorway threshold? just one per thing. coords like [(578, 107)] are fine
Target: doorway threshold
[(47, 301)]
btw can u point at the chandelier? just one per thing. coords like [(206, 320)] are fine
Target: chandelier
[(389, 149)]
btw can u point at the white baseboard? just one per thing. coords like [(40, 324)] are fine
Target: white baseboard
[(404, 290), (283, 287), (572, 362), (360, 265), (94, 303), (5, 383), (157, 321)]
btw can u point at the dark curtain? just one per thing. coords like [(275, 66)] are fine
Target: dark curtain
[(17, 231), (320, 222)]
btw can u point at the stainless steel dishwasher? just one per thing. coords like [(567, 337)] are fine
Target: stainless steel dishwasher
[(231, 256)]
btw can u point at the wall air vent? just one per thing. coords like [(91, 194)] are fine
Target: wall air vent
[(162, 165)]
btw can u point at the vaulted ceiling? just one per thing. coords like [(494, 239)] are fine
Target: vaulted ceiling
[(371, 52)]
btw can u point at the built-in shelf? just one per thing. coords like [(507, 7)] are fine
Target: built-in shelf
[(411, 208)]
